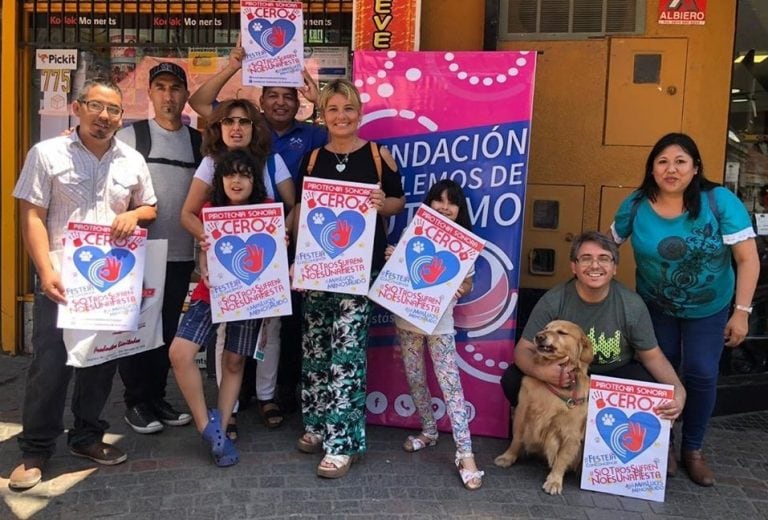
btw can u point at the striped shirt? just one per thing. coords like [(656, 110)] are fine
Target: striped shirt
[(63, 176)]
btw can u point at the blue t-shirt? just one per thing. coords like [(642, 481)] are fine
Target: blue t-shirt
[(300, 139), (684, 266)]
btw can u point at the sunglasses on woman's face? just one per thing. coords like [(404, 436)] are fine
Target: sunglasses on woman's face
[(242, 121)]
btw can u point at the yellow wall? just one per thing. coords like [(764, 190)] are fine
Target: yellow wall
[(569, 106), (9, 141), (452, 25)]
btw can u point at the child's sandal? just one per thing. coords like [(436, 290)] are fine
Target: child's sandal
[(270, 413), (213, 433), (419, 442), (231, 431), (334, 466), (472, 480), (310, 443)]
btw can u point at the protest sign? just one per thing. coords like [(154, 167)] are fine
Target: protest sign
[(86, 348), (272, 34), (247, 262), (336, 232), (626, 443), (426, 269), (102, 278)]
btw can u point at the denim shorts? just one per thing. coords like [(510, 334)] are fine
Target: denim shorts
[(197, 327)]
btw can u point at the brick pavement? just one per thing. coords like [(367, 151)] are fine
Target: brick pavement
[(170, 475)]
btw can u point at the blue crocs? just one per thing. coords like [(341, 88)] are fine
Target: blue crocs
[(229, 457), (214, 433)]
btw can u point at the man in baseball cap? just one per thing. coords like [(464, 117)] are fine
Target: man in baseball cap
[(168, 68), (172, 152)]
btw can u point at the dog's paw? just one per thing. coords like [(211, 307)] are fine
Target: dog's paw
[(505, 460), (553, 486)]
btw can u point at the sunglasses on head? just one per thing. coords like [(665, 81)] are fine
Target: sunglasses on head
[(229, 121)]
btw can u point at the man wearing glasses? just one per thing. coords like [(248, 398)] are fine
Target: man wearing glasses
[(87, 176), (614, 318)]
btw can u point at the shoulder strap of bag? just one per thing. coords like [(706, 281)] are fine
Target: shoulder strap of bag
[(312, 160), (196, 138), (376, 158), (143, 139)]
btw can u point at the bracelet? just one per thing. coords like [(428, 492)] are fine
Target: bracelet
[(744, 308)]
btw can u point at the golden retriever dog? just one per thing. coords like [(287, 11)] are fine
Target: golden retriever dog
[(551, 421)]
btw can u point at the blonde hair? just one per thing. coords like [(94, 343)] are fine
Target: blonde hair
[(343, 87)]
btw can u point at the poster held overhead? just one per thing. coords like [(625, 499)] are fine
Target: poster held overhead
[(272, 34)]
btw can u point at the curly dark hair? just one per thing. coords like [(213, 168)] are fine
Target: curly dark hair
[(242, 162), (454, 194), (261, 140), (692, 194)]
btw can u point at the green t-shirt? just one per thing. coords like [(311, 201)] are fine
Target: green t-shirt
[(617, 326)]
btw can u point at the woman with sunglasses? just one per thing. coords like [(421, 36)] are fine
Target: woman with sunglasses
[(236, 124)]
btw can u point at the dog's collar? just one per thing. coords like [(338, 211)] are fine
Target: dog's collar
[(572, 400)]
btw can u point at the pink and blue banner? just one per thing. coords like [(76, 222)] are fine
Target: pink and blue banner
[(465, 116)]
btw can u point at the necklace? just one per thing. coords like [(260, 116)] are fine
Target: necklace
[(342, 161)]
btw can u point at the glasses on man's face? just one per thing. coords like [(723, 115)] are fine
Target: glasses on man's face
[(588, 260), (97, 107), (242, 121)]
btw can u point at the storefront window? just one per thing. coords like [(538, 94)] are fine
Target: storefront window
[(747, 162), (124, 41)]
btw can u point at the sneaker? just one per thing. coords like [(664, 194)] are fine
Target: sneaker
[(142, 419), (100, 452), (168, 415)]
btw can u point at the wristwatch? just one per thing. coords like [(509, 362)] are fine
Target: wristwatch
[(744, 308)]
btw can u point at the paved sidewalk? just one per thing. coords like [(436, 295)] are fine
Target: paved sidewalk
[(170, 475)]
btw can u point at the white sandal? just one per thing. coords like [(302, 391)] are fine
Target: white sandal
[(310, 442), (340, 463), (472, 480), (420, 441)]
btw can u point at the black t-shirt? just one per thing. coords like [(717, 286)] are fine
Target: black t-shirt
[(360, 167)]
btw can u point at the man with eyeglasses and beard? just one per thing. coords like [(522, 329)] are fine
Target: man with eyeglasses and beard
[(615, 320), (87, 176)]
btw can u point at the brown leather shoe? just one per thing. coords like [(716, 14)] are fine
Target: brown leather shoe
[(28, 474), (100, 452), (697, 468), (671, 462)]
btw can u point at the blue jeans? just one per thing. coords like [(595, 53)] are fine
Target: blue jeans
[(46, 389), (693, 347)]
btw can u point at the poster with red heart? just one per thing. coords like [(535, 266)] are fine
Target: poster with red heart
[(87, 348), (335, 241), (626, 443), (426, 269), (247, 262), (272, 34), (102, 278)]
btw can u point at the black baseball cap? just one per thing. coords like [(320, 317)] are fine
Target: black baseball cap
[(168, 68)]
